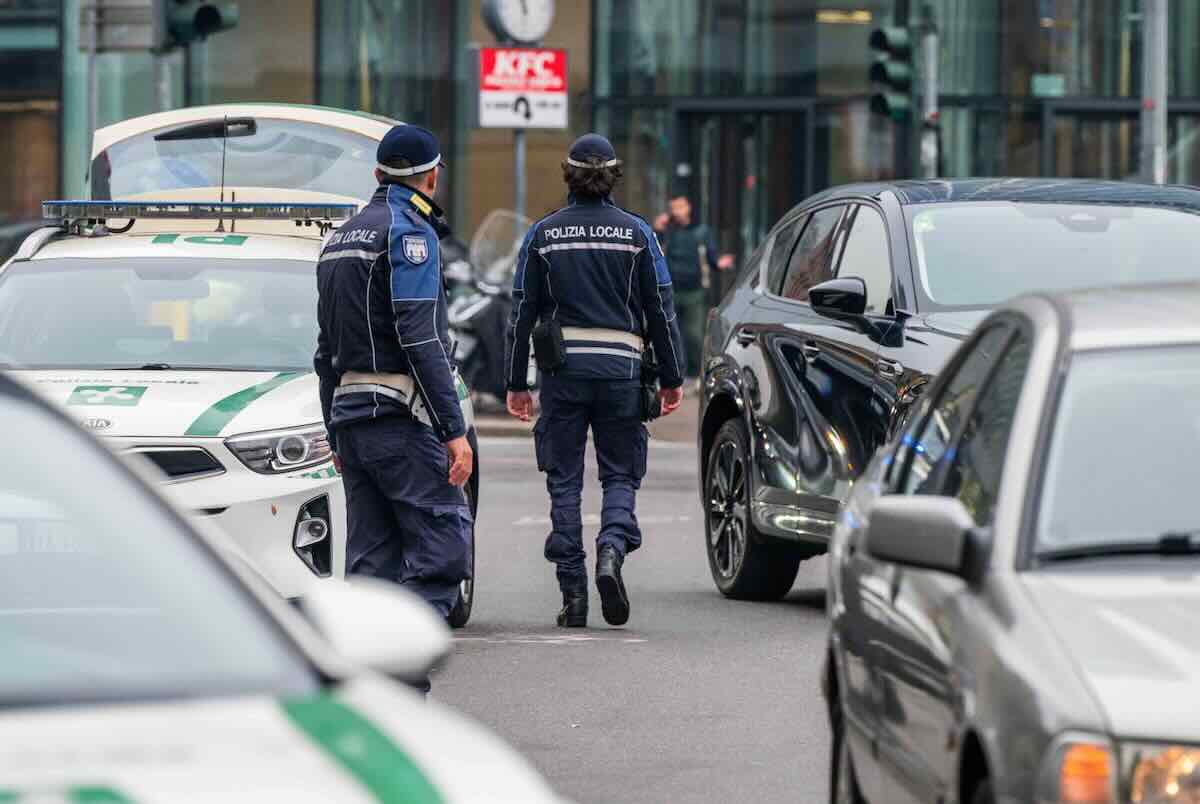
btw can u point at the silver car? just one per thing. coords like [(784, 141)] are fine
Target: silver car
[(1014, 582)]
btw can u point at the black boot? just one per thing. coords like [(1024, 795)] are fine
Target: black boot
[(574, 610), (613, 600)]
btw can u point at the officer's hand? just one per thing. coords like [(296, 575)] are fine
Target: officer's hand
[(337, 463), (725, 262), (461, 460), (661, 222), (520, 404), (670, 399)]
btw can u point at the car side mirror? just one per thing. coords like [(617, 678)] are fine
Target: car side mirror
[(926, 532), (844, 297), (378, 625)]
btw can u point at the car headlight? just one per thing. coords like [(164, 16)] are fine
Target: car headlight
[(1163, 774), (1078, 769), (282, 450)]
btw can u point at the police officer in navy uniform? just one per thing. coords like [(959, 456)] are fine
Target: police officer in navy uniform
[(599, 273), (388, 392)]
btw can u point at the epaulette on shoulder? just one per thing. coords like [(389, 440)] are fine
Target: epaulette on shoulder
[(637, 217), (420, 222)]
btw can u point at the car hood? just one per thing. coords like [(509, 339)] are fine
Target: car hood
[(958, 324), (177, 404), (1130, 629), (367, 742)]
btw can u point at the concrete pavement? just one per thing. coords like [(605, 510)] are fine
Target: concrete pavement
[(697, 699)]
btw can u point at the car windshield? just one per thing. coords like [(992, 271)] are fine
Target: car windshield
[(241, 314), (978, 254), (1123, 453), (106, 595), (258, 152)]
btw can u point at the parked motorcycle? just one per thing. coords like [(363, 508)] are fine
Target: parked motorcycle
[(479, 290)]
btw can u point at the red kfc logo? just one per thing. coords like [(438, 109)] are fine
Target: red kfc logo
[(522, 70)]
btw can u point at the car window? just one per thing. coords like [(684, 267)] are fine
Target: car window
[(868, 257), (782, 241), (218, 313), (974, 476), (945, 419), (1062, 247), (106, 595), (809, 263), (1122, 456)]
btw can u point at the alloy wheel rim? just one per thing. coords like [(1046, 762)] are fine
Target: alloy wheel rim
[(727, 510)]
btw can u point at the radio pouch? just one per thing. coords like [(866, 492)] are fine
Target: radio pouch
[(549, 348), (651, 404)]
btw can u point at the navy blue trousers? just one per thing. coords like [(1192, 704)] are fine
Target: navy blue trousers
[(406, 523), (612, 409)]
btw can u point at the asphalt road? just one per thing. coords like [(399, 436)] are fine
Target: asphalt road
[(697, 699)]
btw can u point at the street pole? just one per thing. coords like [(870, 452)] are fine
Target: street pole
[(162, 80), (519, 170), (93, 79), (1154, 91), (929, 94)]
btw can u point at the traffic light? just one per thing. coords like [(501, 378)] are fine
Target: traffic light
[(891, 72), (185, 21)]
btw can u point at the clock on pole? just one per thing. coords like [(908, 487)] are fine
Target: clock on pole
[(524, 85), (525, 22)]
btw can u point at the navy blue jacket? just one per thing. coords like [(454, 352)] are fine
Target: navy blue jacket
[(382, 310), (593, 265)]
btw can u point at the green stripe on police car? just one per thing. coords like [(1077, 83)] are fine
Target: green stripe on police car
[(212, 421), (362, 750)]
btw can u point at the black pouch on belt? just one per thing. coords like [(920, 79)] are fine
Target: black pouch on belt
[(651, 404), (549, 348)]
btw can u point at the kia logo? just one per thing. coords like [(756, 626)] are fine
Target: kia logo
[(96, 424)]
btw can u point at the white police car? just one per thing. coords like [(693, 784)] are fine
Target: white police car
[(183, 329), (143, 664)]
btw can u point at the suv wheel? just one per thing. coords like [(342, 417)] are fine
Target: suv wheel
[(742, 566)]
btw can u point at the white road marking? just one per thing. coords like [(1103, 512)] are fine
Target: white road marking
[(594, 519), (512, 441), (545, 639)]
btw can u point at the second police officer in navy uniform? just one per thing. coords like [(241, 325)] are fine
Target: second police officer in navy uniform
[(388, 391), (591, 287)]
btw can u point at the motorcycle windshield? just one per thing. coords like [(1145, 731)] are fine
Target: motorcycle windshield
[(496, 244)]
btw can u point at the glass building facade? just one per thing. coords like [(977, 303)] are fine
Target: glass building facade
[(745, 105)]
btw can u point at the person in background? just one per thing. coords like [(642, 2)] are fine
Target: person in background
[(693, 260)]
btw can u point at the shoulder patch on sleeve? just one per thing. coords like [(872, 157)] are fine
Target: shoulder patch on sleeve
[(416, 248)]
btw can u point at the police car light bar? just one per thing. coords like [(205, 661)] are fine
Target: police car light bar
[(68, 211)]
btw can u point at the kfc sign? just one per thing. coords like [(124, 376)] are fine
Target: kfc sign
[(522, 87)]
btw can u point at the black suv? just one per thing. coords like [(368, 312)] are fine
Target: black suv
[(855, 298)]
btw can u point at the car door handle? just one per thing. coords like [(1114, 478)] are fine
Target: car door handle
[(746, 337), (892, 369), (810, 351)]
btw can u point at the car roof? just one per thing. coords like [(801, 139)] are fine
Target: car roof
[(1044, 191), (203, 244), (1126, 316)]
